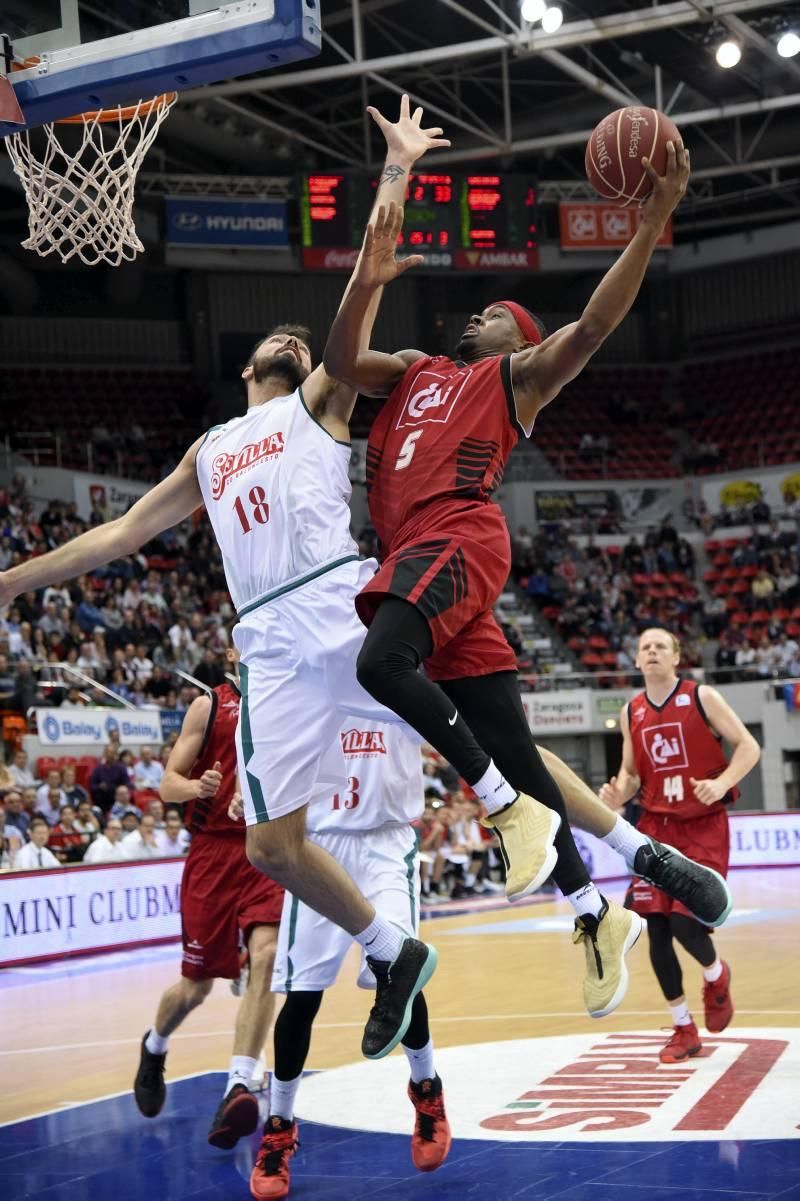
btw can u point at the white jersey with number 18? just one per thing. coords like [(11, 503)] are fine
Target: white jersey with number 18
[(277, 492), (383, 761)]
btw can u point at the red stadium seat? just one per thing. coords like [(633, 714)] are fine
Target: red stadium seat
[(44, 764)]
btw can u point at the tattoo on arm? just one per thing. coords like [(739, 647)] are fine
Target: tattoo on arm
[(391, 172)]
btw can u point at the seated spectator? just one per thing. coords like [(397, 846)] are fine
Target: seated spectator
[(142, 843), (50, 796), (16, 814), (155, 807), (762, 587), (123, 802), (106, 777), (7, 682), (147, 771), (11, 839), (746, 662), (129, 819), (174, 839), (107, 847), (208, 670), (65, 841), (86, 821), (35, 853), (75, 794), (21, 772)]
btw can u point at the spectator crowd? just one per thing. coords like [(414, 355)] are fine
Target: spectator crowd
[(118, 814)]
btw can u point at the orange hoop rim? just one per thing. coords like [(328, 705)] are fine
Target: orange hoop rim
[(104, 115)]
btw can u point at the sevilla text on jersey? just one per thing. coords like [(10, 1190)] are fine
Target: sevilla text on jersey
[(226, 466)]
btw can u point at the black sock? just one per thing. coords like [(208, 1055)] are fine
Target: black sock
[(493, 708), (396, 643)]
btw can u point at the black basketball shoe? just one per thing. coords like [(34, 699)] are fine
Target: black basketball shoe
[(149, 1088), (702, 890), (398, 984), (236, 1117)]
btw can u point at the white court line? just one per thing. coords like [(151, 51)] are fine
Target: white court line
[(480, 1017)]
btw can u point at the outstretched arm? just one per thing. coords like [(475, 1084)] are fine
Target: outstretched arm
[(171, 501), (346, 355), (540, 372)]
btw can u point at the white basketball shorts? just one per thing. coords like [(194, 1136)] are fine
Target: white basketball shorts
[(383, 863), (298, 679)]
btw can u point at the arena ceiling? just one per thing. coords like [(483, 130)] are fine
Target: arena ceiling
[(513, 98), (516, 99)]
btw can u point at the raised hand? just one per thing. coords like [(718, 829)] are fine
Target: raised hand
[(668, 189), (378, 264), (406, 140)]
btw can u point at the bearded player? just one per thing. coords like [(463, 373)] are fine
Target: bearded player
[(672, 755), (222, 896), (436, 454)]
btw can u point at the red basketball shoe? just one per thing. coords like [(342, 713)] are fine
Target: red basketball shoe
[(717, 1001), (430, 1142), (270, 1175), (685, 1043)]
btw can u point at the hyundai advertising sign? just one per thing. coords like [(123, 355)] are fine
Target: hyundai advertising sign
[(246, 224)]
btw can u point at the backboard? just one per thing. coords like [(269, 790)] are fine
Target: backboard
[(96, 55)]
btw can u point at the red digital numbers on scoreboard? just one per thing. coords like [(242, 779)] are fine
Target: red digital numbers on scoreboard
[(486, 211), (325, 216)]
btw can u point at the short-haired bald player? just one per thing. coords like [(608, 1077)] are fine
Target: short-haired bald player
[(672, 754)]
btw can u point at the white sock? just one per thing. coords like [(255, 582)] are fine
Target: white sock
[(494, 790), (281, 1097), (680, 1014), (155, 1044), (421, 1062), (714, 972), (625, 839), (381, 940), (241, 1071), (586, 900)]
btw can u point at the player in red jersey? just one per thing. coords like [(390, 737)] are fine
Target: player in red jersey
[(672, 755), (436, 454), (221, 896)]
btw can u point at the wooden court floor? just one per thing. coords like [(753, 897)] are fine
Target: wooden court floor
[(71, 1032)]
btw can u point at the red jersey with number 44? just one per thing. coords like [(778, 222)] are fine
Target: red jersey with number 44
[(443, 435), (673, 743), (209, 815)]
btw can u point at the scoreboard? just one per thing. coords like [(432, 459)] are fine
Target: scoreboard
[(459, 222)]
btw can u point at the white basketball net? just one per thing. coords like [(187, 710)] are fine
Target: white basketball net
[(81, 203)]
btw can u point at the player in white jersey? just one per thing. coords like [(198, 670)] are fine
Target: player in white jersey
[(367, 828)]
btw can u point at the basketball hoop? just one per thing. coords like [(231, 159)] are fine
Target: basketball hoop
[(80, 200)]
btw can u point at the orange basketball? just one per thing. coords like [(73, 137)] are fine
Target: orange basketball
[(617, 146)]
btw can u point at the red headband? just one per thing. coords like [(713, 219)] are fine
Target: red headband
[(527, 325)]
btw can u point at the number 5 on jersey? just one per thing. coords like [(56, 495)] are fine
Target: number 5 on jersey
[(259, 509), (407, 450)]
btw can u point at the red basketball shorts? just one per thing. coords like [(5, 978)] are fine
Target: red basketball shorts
[(452, 563), (221, 894), (704, 839)]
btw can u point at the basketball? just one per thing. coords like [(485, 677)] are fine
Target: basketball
[(617, 146)]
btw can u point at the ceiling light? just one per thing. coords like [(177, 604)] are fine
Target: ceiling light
[(728, 54), (533, 10), (551, 21), (788, 45)]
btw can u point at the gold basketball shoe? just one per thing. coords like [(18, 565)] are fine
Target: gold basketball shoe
[(606, 941), (526, 830)]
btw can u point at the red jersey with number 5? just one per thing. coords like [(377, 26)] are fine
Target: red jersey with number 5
[(443, 436), (672, 744), (209, 815)]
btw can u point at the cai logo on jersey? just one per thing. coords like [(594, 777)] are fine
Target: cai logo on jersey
[(586, 1088), (225, 467), (363, 742), (665, 747), (433, 397)]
